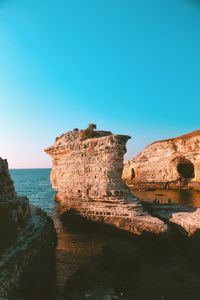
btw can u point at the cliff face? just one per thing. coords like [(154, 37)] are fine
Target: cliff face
[(88, 169), (87, 175), (27, 241), (14, 210), (6, 185), (175, 162)]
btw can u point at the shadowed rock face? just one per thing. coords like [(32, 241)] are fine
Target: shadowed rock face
[(6, 185), (173, 163), (87, 175), (14, 210), (27, 241)]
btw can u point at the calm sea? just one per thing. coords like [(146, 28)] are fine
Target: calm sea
[(35, 184)]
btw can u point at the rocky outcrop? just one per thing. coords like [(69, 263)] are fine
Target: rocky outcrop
[(172, 163), (27, 265), (27, 241), (14, 210), (185, 219), (6, 185), (87, 175), (190, 222)]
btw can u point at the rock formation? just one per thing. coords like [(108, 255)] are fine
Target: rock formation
[(87, 175), (6, 185), (27, 241), (172, 163), (14, 210)]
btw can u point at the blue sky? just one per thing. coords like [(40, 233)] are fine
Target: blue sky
[(130, 66)]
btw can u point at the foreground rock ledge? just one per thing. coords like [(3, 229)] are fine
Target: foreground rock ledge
[(27, 242), (87, 175)]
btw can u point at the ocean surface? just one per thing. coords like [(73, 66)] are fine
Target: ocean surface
[(35, 184), (75, 248)]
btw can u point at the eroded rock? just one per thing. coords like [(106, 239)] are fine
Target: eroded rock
[(27, 242), (87, 175), (172, 163)]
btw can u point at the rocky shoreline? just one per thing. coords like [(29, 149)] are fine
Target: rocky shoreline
[(152, 246), (134, 267), (27, 267), (28, 239), (87, 176)]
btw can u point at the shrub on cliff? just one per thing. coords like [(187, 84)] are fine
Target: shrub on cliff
[(89, 132)]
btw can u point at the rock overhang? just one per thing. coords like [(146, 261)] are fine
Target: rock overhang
[(87, 175)]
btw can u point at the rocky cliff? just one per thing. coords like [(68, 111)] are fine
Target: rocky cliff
[(6, 185), (14, 210), (27, 241), (87, 175), (169, 163)]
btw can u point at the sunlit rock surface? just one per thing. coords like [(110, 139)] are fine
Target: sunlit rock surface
[(172, 163), (87, 175), (27, 241), (190, 222)]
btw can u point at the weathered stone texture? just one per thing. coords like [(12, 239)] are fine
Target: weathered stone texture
[(14, 210), (190, 222), (88, 169), (174, 161), (27, 241), (87, 175), (27, 265), (6, 185)]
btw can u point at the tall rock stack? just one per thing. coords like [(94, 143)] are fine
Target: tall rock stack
[(87, 175)]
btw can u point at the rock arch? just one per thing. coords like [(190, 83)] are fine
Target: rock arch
[(186, 169)]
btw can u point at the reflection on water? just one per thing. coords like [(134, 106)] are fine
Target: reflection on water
[(74, 248), (185, 197)]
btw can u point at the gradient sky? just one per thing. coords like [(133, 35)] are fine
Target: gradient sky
[(129, 66)]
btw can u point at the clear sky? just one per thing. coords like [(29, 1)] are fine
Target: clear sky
[(129, 66)]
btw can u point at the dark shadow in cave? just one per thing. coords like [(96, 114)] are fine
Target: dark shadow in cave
[(132, 174), (186, 170)]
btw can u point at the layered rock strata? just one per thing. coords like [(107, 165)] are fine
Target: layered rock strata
[(27, 241), (172, 163), (87, 175)]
